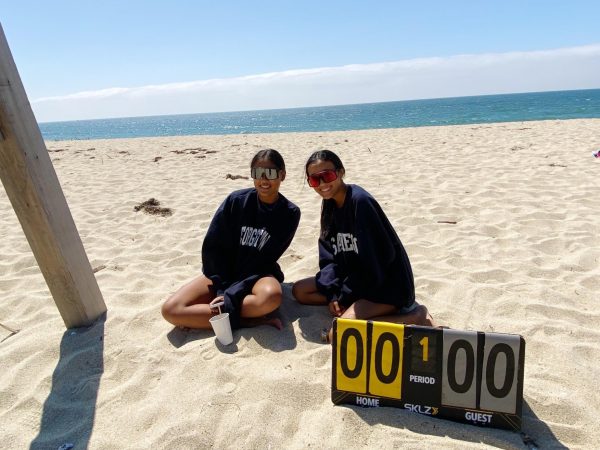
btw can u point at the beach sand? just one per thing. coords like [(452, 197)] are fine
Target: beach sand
[(522, 257)]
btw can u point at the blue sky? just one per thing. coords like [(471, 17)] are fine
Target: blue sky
[(90, 59)]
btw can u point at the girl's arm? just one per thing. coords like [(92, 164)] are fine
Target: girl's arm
[(376, 251), (284, 239), (218, 248), (328, 279)]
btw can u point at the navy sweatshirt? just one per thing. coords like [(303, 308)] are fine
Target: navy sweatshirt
[(361, 256), (243, 243)]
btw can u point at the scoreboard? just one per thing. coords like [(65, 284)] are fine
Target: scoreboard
[(466, 376)]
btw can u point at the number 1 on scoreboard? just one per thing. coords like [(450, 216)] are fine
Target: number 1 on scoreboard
[(425, 344)]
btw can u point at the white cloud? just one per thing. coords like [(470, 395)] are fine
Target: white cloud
[(460, 75)]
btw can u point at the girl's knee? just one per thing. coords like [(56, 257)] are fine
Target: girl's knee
[(421, 312), (270, 295), (169, 309), (273, 300)]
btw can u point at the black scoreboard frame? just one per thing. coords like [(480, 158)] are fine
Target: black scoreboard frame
[(444, 373)]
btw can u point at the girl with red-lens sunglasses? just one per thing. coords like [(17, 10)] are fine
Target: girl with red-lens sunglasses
[(364, 271)]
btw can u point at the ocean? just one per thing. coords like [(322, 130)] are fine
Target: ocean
[(414, 113)]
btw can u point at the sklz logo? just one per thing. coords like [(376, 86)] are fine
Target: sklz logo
[(421, 409)]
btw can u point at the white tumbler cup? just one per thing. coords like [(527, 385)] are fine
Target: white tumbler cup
[(222, 328)]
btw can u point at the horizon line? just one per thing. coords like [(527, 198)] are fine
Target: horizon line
[(317, 106)]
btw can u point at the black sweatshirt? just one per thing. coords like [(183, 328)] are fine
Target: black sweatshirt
[(243, 243), (360, 254)]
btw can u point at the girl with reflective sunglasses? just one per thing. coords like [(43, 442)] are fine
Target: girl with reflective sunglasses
[(248, 233), (364, 270)]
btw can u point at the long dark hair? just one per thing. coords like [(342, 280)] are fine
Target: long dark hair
[(327, 206), (271, 155)]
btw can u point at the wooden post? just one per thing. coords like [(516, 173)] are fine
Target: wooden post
[(36, 196)]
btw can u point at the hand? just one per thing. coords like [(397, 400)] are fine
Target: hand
[(335, 309), (214, 301)]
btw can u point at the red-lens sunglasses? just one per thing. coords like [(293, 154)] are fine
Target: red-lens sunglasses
[(326, 176)]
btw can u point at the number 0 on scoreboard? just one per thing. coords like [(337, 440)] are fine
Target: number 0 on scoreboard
[(467, 376)]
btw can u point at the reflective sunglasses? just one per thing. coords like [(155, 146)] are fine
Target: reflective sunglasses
[(326, 176), (258, 172)]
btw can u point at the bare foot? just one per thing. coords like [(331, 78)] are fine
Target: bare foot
[(423, 317), (429, 320), (326, 335), (274, 322), (265, 320)]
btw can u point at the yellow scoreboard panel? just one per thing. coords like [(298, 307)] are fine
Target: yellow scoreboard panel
[(466, 376)]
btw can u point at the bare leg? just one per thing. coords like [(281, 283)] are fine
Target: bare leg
[(418, 316), (188, 307), (368, 310), (265, 298), (305, 292)]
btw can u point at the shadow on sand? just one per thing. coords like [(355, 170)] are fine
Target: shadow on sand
[(534, 434), (68, 413), (265, 335), (311, 319)]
